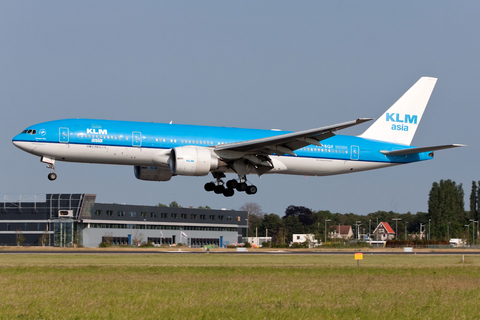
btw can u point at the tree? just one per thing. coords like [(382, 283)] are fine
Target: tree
[(292, 226), (174, 204), (473, 201), (162, 205), (318, 226), (446, 204), (255, 216), (137, 239), (273, 223), (305, 215), (477, 216), (20, 237), (44, 238)]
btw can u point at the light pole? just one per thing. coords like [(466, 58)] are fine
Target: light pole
[(396, 227), (429, 229), (473, 230), (358, 223), (369, 227), (406, 230), (326, 230)]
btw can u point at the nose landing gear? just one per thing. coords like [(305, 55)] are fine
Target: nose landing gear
[(52, 176), (50, 165)]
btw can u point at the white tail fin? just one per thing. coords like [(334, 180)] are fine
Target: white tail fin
[(399, 123)]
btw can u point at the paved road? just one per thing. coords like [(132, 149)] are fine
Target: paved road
[(114, 252)]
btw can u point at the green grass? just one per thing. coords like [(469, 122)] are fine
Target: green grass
[(232, 286)]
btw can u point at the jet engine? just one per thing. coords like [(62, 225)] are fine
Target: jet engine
[(152, 173), (193, 161)]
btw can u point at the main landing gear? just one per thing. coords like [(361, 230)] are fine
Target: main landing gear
[(228, 189)]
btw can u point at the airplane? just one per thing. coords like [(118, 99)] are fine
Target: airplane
[(159, 151)]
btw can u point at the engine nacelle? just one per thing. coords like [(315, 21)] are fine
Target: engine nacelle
[(193, 161), (152, 173)]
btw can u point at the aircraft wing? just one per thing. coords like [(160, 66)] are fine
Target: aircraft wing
[(419, 150), (286, 143)]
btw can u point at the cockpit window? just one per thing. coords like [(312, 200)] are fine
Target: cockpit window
[(30, 131)]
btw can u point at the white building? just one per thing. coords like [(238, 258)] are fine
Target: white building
[(301, 238), (257, 241)]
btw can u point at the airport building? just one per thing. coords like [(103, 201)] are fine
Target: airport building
[(67, 220)]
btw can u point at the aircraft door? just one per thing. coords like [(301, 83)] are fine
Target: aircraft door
[(63, 135), (136, 139), (354, 152)]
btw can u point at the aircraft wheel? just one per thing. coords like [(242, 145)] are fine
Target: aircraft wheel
[(228, 192), (242, 186), (210, 186), (219, 189), (252, 189), (52, 176), (232, 184)]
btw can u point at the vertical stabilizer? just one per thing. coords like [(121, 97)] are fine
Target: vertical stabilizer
[(399, 123)]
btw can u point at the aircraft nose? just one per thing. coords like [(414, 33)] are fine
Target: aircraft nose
[(23, 145)]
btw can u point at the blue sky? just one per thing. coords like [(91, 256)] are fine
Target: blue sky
[(271, 64)]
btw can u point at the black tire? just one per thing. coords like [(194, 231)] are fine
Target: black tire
[(219, 189), (228, 192), (232, 184), (252, 189), (210, 186), (242, 186), (52, 176)]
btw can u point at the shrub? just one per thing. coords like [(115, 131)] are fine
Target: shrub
[(267, 244), (283, 245), (299, 245), (105, 245), (148, 244)]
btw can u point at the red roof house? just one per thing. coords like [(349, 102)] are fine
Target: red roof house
[(383, 232)]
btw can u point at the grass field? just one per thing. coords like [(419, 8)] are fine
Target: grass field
[(208, 286)]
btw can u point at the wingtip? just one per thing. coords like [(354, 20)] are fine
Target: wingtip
[(361, 120)]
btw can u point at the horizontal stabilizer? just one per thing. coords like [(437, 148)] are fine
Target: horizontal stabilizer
[(420, 149)]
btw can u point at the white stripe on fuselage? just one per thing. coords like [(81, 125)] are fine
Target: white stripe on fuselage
[(137, 156)]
